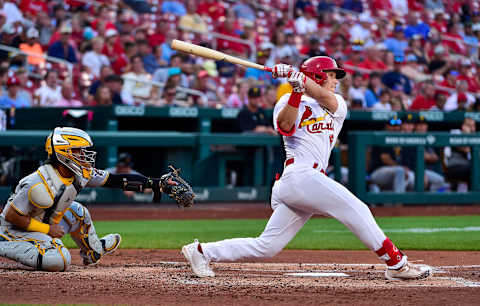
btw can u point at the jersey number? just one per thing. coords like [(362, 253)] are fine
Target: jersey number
[(331, 139)]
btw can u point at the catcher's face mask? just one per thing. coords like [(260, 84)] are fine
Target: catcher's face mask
[(68, 146)]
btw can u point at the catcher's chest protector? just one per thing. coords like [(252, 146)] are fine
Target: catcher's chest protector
[(62, 194)]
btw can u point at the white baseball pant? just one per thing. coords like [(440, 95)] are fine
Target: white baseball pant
[(301, 192)]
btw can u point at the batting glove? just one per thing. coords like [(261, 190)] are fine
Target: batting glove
[(297, 80), (281, 71)]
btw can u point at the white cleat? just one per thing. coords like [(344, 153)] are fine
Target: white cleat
[(197, 260), (409, 271)]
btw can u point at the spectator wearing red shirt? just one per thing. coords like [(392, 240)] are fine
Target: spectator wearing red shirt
[(230, 28), (211, 8), (157, 37), (30, 8), (449, 81), (105, 14), (112, 48), (439, 22), (122, 64), (381, 5), (467, 75), (458, 6), (78, 30), (415, 5), (373, 60), (355, 59), (426, 100), (453, 40)]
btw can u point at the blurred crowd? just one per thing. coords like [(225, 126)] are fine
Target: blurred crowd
[(399, 54)]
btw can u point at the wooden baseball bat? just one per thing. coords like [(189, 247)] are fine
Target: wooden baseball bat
[(214, 54)]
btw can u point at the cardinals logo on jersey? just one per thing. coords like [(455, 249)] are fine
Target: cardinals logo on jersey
[(306, 114)]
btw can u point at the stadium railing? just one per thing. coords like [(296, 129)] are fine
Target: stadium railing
[(16, 51), (216, 35), (160, 85)]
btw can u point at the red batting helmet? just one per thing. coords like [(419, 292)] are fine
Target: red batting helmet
[(313, 68)]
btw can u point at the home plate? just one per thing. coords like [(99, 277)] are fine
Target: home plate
[(317, 274)]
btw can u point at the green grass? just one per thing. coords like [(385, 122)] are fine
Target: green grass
[(324, 234)]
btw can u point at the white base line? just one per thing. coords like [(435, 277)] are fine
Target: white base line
[(183, 263), (438, 269), (455, 267), (462, 281), (317, 274)]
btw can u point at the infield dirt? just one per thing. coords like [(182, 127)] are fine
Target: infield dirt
[(161, 277)]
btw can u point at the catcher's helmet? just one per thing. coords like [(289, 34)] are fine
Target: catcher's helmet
[(61, 144), (313, 67)]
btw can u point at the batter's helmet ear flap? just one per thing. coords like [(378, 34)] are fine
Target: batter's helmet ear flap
[(321, 77)]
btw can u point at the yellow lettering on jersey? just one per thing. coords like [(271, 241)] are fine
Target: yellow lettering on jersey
[(313, 120)]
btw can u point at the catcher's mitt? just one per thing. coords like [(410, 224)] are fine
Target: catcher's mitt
[(177, 188)]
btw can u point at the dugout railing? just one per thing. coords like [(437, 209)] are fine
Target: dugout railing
[(359, 142)]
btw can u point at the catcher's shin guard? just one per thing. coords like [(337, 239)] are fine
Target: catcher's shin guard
[(54, 257), (83, 233)]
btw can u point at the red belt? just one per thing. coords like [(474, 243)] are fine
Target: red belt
[(291, 160)]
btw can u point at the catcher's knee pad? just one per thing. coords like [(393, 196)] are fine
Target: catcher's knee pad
[(56, 257), (75, 215)]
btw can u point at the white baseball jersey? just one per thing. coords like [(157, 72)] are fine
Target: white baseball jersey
[(315, 132)]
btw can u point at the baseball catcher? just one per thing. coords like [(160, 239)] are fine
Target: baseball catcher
[(43, 208)]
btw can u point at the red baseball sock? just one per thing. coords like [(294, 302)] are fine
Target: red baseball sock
[(392, 256)]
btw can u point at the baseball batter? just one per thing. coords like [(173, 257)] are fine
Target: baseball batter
[(310, 119), (42, 208)]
